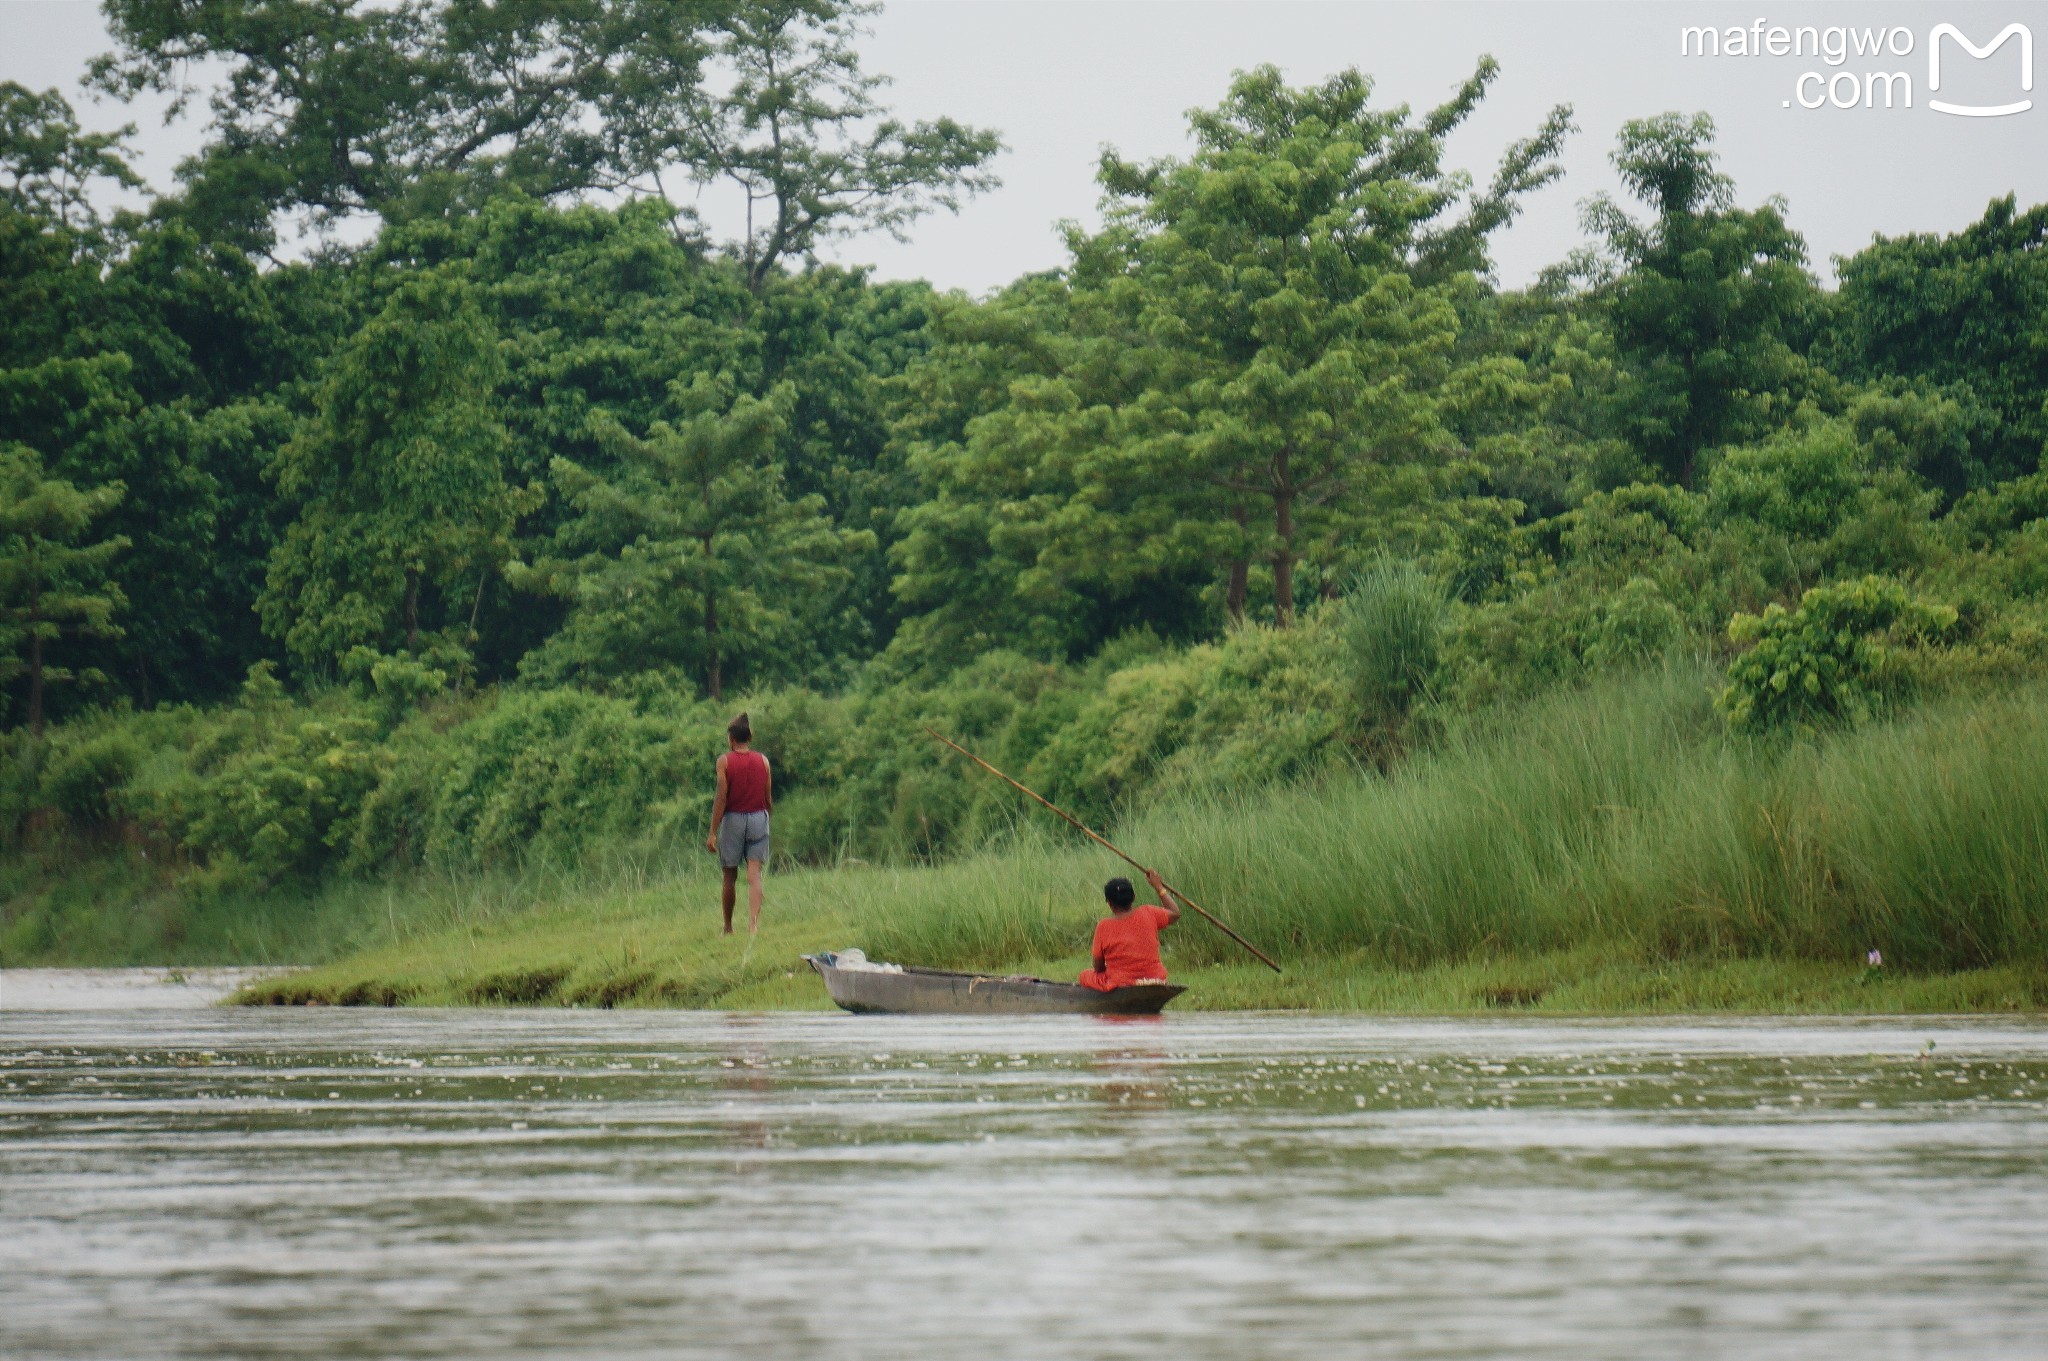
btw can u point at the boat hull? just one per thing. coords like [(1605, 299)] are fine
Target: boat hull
[(941, 992)]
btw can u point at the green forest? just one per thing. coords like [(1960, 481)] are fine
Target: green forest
[(1679, 603)]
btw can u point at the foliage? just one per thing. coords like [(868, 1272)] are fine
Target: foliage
[(692, 557), (1966, 314), (1255, 351), (1822, 662), (1707, 302), (452, 548), (401, 480), (802, 135), (416, 108), (1617, 823), (84, 778), (282, 806), (48, 164), (53, 576)]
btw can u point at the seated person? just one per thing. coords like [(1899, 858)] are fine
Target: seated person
[(1127, 940)]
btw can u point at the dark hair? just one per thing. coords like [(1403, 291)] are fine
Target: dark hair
[(1119, 894), (739, 730)]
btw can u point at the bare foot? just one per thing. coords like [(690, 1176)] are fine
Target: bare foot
[(726, 932)]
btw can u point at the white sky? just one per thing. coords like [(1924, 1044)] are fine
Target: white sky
[(1062, 79)]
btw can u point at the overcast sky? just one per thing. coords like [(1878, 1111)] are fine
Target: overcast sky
[(1060, 80)]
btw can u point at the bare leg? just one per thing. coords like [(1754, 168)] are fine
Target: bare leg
[(753, 897), (732, 880)]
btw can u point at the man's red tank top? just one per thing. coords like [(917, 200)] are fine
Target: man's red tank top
[(746, 782)]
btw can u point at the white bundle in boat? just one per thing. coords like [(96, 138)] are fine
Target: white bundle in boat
[(856, 961)]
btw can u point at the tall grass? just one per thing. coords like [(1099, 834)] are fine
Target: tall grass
[(1393, 622), (1615, 817), (1617, 824)]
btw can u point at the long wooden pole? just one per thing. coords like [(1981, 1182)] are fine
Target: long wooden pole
[(1109, 846)]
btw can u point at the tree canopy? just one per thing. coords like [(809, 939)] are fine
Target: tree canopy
[(536, 432)]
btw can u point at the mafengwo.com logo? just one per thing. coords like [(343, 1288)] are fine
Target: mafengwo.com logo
[(1853, 62)]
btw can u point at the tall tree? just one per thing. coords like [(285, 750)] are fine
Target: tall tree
[(1967, 312), (809, 146), (1711, 306), (343, 106), (405, 513), (49, 166), (690, 556), (338, 107), (1257, 344), (54, 577)]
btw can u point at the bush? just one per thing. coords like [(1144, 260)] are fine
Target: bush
[(287, 805), (1824, 661), (1798, 484), (83, 779), (1637, 625)]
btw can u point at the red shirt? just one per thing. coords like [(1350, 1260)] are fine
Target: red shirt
[(1128, 945), (746, 782)]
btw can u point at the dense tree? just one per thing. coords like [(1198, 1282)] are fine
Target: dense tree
[(1280, 359), (1968, 313), (54, 574), (405, 513), (1712, 303), (339, 107), (964, 542), (80, 407), (1257, 346), (690, 557)]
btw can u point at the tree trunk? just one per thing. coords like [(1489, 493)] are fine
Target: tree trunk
[(35, 639), (1283, 556), (412, 609), (712, 677), (35, 675), (1240, 574)]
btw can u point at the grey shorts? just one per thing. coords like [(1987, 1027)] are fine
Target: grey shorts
[(742, 836)]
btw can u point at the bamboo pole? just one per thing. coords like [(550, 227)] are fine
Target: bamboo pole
[(1109, 846)]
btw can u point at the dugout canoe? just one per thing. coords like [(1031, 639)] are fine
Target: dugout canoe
[(939, 991)]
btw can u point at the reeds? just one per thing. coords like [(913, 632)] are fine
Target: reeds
[(1619, 817), (1612, 832)]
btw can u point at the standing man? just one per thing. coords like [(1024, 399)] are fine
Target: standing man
[(739, 819)]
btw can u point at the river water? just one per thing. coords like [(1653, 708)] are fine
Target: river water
[(229, 1183)]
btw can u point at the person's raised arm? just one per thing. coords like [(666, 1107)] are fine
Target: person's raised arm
[(717, 809), (1166, 898)]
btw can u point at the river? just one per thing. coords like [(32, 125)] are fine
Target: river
[(208, 1182)]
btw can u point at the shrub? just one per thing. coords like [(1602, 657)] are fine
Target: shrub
[(1797, 484), (1824, 661), (286, 805), (84, 778), (1636, 625)]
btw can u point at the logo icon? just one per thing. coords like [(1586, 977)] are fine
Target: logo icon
[(1941, 31)]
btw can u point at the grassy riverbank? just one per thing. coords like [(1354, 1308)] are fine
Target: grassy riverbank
[(1604, 850), (1608, 850), (648, 949)]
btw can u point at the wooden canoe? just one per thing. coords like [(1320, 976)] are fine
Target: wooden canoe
[(934, 991)]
